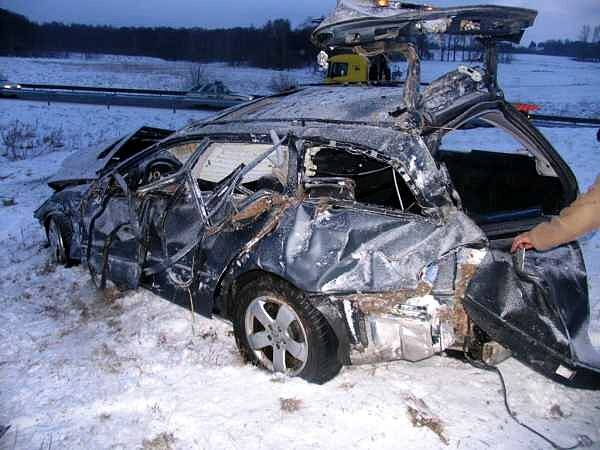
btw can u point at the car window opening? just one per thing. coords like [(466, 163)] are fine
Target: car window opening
[(497, 177), (337, 70), (221, 159), (122, 149), (355, 176)]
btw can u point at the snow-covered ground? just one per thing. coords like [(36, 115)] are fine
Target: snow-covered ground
[(80, 369), (141, 73), (558, 85)]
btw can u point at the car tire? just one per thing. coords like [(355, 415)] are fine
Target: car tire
[(277, 328), (59, 233)]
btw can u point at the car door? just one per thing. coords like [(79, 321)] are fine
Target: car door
[(112, 218), (112, 233), (223, 186)]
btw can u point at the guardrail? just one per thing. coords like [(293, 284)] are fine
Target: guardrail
[(154, 98), (564, 119), (57, 87), (146, 98)]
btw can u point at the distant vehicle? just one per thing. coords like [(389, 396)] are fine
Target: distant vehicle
[(7, 88), (337, 225), (219, 92), (8, 85), (355, 68)]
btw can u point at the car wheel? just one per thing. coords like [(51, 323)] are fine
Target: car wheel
[(59, 238), (277, 328)]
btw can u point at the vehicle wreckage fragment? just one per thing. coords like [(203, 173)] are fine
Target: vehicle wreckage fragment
[(409, 324)]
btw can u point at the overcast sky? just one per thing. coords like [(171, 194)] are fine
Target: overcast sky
[(557, 19)]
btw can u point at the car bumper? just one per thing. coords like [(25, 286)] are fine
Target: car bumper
[(375, 328)]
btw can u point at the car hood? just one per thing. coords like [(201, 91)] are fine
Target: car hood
[(84, 165), (360, 22)]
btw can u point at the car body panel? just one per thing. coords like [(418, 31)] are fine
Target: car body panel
[(337, 248)]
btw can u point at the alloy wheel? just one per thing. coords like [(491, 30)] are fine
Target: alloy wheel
[(276, 335)]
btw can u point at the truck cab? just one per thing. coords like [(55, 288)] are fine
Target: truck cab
[(355, 68)]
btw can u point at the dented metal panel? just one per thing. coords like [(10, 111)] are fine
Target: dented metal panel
[(85, 165), (538, 308)]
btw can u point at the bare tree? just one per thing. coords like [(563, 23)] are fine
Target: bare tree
[(196, 76), (584, 35), (282, 82), (596, 35)]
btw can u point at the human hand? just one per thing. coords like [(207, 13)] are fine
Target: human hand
[(522, 241)]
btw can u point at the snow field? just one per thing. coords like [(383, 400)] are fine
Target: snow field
[(82, 369)]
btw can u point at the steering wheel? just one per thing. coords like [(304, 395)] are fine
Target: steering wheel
[(159, 169)]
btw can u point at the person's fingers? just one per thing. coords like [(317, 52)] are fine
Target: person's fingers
[(516, 244), (520, 242)]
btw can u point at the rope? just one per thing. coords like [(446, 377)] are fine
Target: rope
[(581, 441)]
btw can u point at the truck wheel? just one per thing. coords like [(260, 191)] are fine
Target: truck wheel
[(59, 238), (277, 328)]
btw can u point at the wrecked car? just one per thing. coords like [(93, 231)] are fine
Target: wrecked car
[(346, 224), (217, 91)]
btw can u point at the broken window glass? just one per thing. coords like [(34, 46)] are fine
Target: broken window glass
[(221, 159)]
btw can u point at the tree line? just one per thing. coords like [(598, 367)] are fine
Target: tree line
[(275, 45), (467, 48)]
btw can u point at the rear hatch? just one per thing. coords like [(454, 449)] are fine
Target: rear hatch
[(360, 22)]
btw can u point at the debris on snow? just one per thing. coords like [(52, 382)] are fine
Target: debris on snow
[(421, 416), (8, 201), (556, 412), (290, 405), (164, 441)]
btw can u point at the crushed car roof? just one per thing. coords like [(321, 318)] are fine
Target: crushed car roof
[(379, 105), (346, 103)]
